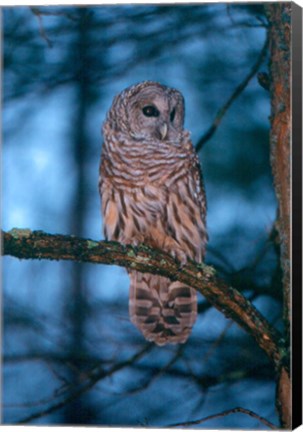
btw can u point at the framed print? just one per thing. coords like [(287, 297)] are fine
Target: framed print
[(151, 209)]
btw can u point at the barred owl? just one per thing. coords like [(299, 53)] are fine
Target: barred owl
[(152, 193)]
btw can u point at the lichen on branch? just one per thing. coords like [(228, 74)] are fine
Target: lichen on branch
[(27, 244)]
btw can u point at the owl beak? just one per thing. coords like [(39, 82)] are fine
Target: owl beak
[(163, 130)]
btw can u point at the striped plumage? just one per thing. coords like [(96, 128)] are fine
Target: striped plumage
[(152, 193)]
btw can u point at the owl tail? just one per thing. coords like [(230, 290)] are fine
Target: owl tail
[(163, 311)]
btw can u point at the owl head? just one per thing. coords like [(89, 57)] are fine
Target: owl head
[(148, 111)]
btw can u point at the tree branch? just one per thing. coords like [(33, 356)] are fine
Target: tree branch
[(37, 13), (94, 376), (225, 413), (238, 90), (27, 244)]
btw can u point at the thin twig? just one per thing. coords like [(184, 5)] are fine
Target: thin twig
[(155, 376), (216, 343), (238, 90), (43, 34), (225, 413), (244, 23), (93, 377), (43, 11)]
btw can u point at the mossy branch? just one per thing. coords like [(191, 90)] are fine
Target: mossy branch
[(27, 244)]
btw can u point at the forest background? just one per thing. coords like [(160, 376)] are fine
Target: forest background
[(62, 320)]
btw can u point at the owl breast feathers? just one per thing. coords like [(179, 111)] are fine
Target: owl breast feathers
[(152, 193)]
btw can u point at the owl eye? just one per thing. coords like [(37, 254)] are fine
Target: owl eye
[(172, 115), (150, 111)]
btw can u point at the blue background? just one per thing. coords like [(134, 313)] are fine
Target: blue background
[(62, 67)]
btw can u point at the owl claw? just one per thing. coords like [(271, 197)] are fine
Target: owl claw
[(181, 257)]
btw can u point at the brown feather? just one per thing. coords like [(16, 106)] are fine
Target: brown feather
[(152, 192)]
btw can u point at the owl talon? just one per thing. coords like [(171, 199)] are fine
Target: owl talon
[(181, 257)]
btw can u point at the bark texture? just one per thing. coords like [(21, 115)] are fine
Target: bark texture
[(29, 244), (279, 18)]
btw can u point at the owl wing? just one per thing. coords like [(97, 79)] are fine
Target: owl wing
[(199, 186), (185, 214)]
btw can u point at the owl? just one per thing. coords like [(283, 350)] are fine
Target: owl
[(152, 192)]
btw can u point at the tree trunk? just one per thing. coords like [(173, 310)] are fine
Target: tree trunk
[(79, 411), (279, 17)]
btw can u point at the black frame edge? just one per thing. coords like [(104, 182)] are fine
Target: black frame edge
[(296, 359)]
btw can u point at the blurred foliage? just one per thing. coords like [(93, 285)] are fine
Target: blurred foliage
[(64, 321)]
